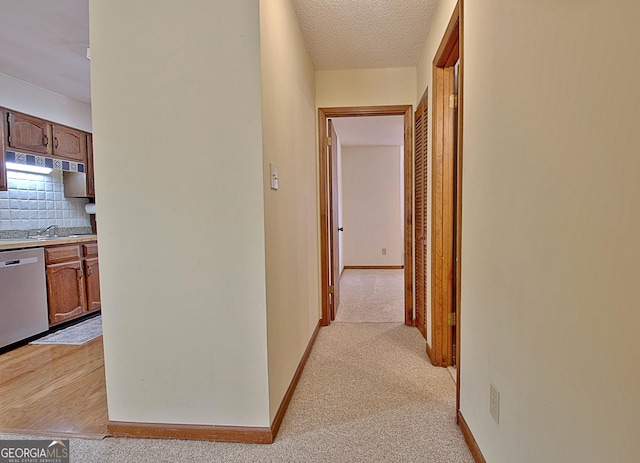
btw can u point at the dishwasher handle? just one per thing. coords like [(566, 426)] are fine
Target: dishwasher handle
[(17, 262)]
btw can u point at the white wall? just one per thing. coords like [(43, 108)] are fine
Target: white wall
[(372, 216), (27, 98), (176, 99), (338, 146), (439, 24), (551, 233), (400, 224), (291, 212)]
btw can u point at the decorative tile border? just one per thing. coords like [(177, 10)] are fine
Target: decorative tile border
[(42, 161)]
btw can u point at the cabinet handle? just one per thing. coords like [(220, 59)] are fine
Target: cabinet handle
[(90, 270), (45, 140), (79, 273), (55, 142)]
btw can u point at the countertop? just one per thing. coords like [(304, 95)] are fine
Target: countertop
[(9, 244)]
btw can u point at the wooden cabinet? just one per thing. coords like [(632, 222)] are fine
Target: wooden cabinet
[(66, 291), (69, 143), (91, 189), (28, 133), (73, 284), (37, 136), (80, 184), (3, 146), (32, 135), (92, 276), (65, 283)]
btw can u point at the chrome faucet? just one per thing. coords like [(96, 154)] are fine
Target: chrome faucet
[(48, 231)]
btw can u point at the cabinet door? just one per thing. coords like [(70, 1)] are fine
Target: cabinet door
[(3, 146), (92, 281), (65, 286), (29, 133), (91, 192), (69, 143)]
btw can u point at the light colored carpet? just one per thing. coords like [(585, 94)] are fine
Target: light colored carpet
[(371, 296), (453, 373), (367, 394), (75, 335)]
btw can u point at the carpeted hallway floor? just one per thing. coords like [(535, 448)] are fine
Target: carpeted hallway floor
[(367, 394), (371, 296)]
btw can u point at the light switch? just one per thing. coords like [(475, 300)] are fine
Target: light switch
[(274, 176)]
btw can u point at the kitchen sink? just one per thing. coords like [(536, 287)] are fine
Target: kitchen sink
[(51, 238)]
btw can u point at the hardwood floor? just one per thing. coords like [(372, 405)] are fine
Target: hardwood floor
[(54, 390)]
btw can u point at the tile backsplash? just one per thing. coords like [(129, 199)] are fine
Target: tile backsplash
[(35, 201)]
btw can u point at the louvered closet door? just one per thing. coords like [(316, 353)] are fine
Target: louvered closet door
[(420, 182)]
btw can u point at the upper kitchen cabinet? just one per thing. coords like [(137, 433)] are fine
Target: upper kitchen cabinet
[(29, 134), (34, 135), (3, 146), (80, 184), (91, 191), (69, 143)]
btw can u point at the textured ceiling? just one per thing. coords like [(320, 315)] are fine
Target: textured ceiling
[(45, 42), (370, 130), (355, 34)]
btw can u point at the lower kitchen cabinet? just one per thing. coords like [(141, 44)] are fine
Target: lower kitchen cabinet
[(92, 276), (66, 290), (73, 284)]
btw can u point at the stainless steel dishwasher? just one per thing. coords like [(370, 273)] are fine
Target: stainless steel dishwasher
[(23, 295)]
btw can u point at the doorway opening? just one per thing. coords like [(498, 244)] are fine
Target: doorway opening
[(329, 228)]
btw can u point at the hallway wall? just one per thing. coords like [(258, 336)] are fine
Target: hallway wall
[(183, 300), (551, 233), (373, 200), (291, 212), (365, 87)]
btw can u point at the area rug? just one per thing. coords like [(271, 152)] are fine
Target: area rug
[(74, 335)]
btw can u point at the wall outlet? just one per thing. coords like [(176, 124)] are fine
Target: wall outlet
[(494, 402), (384, 251)]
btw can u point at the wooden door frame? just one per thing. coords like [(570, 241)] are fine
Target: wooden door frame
[(444, 270), (357, 111), (333, 229)]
